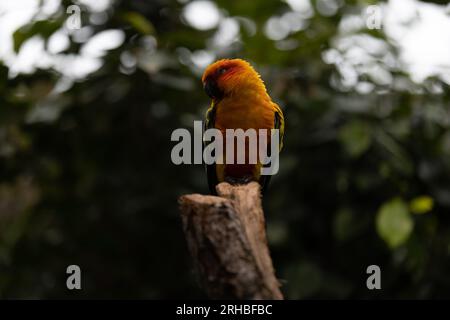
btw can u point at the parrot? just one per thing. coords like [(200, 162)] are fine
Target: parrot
[(239, 100)]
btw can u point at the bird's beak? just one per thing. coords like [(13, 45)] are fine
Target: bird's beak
[(211, 89)]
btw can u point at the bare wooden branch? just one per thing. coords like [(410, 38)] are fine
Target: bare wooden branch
[(227, 240)]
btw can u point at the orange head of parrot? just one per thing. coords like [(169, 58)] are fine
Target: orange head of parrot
[(228, 76)]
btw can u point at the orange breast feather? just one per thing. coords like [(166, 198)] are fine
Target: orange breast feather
[(252, 112)]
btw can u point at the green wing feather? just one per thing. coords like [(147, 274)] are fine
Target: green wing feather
[(278, 124)]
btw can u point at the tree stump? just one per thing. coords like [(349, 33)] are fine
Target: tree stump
[(227, 240)]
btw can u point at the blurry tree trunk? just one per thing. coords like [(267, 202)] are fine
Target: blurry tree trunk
[(227, 240)]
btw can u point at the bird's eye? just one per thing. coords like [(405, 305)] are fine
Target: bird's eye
[(221, 70)]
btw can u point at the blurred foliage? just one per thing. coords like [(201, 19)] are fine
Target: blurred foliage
[(394, 223), (86, 175)]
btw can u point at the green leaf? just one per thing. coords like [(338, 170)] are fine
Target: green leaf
[(394, 223), (422, 204), (139, 22), (44, 28), (356, 137)]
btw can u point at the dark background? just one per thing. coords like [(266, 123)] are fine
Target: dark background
[(364, 175)]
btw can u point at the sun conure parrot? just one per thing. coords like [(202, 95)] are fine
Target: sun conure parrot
[(239, 101)]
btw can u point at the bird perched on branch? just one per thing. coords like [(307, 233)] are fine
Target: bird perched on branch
[(239, 101)]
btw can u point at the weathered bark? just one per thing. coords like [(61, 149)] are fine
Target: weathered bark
[(227, 240)]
